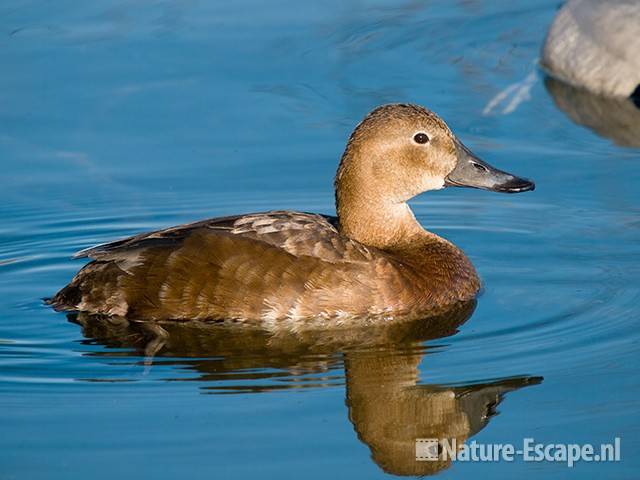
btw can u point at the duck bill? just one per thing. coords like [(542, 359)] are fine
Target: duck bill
[(472, 172)]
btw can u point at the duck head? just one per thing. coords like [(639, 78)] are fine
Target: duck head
[(406, 149), (397, 152)]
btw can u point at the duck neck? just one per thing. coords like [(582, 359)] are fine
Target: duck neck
[(375, 221)]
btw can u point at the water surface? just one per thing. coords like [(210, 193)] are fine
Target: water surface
[(116, 118)]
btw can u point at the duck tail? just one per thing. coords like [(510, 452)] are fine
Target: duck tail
[(66, 299), (90, 289)]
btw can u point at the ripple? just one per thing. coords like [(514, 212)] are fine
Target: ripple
[(520, 273), (109, 129)]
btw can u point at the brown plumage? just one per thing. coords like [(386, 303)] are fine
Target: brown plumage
[(373, 262)]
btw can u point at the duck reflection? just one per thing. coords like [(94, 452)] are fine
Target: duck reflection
[(387, 406), (616, 118)]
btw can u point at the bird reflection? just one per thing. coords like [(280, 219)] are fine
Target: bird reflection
[(616, 118), (387, 406)]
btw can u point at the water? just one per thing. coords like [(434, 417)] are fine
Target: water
[(118, 118)]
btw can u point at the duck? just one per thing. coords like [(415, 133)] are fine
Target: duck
[(593, 44), (371, 262)]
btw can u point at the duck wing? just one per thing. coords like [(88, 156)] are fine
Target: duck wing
[(296, 233), (268, 266)]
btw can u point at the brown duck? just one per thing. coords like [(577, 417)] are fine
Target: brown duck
[(372, 262)]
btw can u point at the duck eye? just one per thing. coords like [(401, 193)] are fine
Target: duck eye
[(420, 138)]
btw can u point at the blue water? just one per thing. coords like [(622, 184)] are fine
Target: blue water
[(121, 117)]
